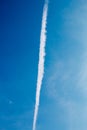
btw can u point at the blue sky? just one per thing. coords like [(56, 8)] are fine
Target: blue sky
[(63, 102)]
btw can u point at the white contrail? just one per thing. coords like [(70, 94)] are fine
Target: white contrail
[(41, 61)]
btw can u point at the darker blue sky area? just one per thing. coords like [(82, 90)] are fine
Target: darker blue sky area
[(20, 23)]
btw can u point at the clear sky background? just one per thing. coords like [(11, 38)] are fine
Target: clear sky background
[(63, 103)]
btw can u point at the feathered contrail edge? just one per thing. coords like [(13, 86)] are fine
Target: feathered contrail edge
[(41, 61)]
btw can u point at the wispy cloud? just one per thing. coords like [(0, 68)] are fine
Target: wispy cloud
[(73, 71), (67, 80), (41, 61)]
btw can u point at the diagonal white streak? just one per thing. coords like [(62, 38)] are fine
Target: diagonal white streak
[(41, 61)]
